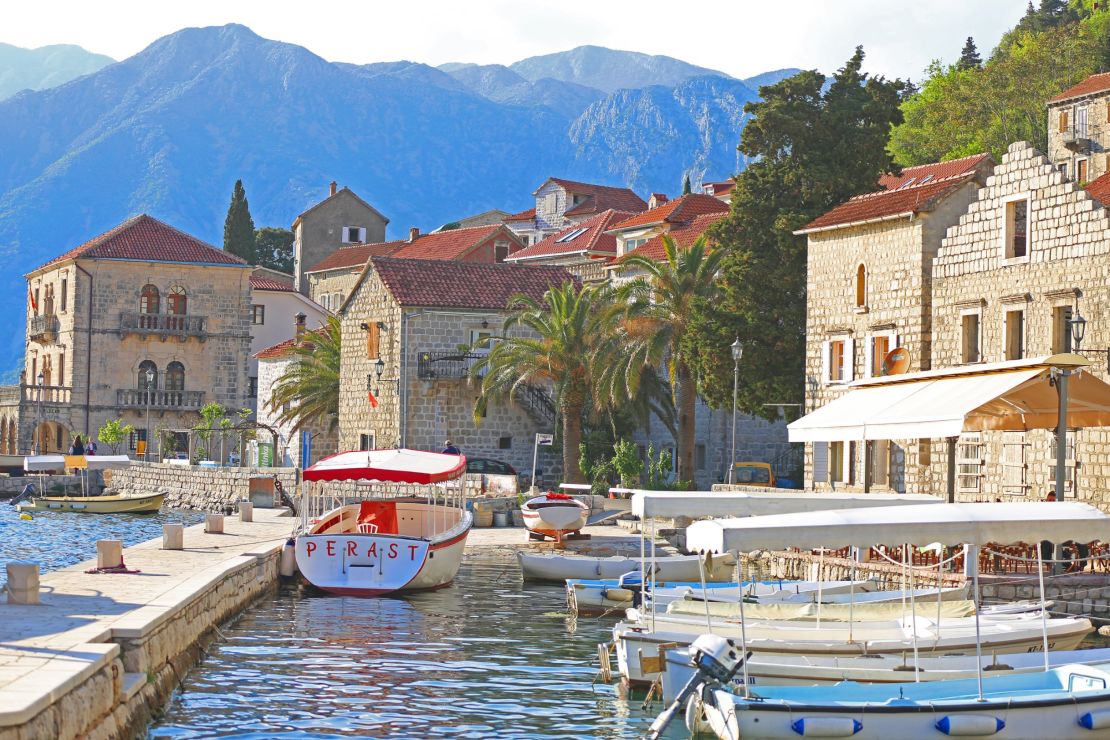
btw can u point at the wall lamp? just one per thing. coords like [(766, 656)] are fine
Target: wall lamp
[(1078, 326)]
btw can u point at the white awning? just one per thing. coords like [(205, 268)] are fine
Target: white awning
[(950, 524), (393, 466), (108, 462), (43, 463), (699, 504), (1010, 396)]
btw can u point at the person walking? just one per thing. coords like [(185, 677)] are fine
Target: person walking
[(450, 449)]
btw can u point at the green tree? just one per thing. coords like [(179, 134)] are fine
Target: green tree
[(308, 392), (239, 226), (273, 248), (113, 432), (686, 188), (564, 328), (969, 56), (654, 313), (811, 152)]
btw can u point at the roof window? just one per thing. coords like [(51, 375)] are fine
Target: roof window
[(571, 236)]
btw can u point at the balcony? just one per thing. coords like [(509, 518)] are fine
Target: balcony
[(46, 393), (137, 398), (163, 324), (43, 328), (454, 366)]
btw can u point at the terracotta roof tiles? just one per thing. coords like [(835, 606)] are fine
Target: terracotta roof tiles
[(1099, 189), (599, 197), (684, 237), (355, 256), (281, 349), (886, 204), (522, 216), (448, 245), (678, 210), (451, 284), (925, 173), (1096, 83), (591, 239), (259, 282)]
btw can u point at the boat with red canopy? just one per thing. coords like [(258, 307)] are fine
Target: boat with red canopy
[(390, 521)]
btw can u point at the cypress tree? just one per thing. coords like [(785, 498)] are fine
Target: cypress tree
[(239, 226), (969, 57), (686, 185)]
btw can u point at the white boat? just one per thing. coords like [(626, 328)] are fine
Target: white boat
[(810, 670), (554, 515), (84, 502), (392, 541), (558, 568)]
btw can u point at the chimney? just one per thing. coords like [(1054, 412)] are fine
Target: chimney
[(299, 325), (331, 188), (413, 233)]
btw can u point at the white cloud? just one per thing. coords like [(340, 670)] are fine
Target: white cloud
[(736, 36)]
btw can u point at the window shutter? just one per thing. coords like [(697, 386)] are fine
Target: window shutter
[(820, 462), (825, 359), (868, 350), (1063, 121), (849, 360), (373, 339), (362, 234)]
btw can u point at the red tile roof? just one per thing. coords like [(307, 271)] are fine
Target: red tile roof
[(355, 256), (146, 239), (935, 171), (599, 197), (1099, 189), (1096, 83), (451, 244), (451, 284), (259, 282), (718, 188), (684, 237), (886, 204), (678, 210), (282, 348), (593, 239), (522, 216)]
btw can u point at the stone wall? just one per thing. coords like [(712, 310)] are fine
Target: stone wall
[(331, 288), (324, 437), (192, 487), (1098, 131), (319, 231)]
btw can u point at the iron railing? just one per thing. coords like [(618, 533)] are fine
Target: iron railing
[(454, 366), (43, 327)]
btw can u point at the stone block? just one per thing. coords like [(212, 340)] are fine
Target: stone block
[(214, 523), (246, 511), (109, 553), (173, 536), (23, 582)]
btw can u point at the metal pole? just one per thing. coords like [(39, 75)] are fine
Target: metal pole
[(146, 442), (952, 469), (535, 458), (1061, 452), (735, 387)]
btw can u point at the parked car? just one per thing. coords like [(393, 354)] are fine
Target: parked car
[(488, 466), (753, 474), (493, 476)]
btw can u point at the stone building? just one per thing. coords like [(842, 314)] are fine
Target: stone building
[(142, 322), (720, 190), (869, 290), (583, 248), (562, 203), (662, 217), (1079, 129), (339, 220), (407, 329)]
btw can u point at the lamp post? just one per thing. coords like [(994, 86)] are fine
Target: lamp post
[(146, 434), (40, 379), (379, 368), (737, 353)]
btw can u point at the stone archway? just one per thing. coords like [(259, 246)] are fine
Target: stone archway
[(51, 438), (4, 449)]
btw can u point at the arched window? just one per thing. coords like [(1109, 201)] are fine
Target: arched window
[(861, 286), (48, 300), (175, 377), (47, 370), (149, 299), (147, 376), (176, 301)]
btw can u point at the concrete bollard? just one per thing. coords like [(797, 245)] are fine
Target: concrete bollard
[(246, 511), (173, 536), (109, 553), (214, 523), (23, 583)]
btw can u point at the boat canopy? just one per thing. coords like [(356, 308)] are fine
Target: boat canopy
[(389, 466), (1009, 396), (44, 463), (697, 504), (950, 524), (107, 462)]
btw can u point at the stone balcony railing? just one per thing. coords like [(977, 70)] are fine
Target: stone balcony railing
[(137, 398), (163, 324), (46, 393), (43, 328)]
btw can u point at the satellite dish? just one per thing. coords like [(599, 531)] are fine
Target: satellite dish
[(896, 362)]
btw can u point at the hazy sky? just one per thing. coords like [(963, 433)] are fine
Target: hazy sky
[(739, 37)]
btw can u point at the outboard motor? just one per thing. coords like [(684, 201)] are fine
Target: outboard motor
[(24, 495), (633, 581), (717, 660)]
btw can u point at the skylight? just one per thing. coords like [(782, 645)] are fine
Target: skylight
[(907, 183), (571, 236)]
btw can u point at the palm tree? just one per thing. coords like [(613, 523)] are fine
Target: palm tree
[(652, 318), (308, 391), (556, 353)]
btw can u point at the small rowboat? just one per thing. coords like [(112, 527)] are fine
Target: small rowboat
[(554, 515), (96, 504), (558, 568)]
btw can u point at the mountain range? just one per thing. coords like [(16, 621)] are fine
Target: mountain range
[(46, 66), (169, 130)]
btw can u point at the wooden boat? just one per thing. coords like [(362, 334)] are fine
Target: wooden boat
[(558, 568), (554, 515), (391, 541), (85, 504)]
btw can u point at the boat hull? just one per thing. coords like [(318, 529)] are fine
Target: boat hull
[(559, 568), (96, 504), (554, 518)]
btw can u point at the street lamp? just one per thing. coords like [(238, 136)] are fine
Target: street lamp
[(149, 387), (737, 353), (41, 379), (1078, 328)]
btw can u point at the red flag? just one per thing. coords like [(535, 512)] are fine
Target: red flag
[(372, 399), (31, 295)]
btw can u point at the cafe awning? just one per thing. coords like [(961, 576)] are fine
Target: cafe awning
[(1008, 396)]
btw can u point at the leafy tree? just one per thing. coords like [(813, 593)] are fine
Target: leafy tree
[(969, 56), (564, 327), (308, 392), (811, 152), (652, 318), (686, 189), (273, 248), (239, 226), (113, 432)]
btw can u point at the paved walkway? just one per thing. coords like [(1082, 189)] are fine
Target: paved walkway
[(48, 649)]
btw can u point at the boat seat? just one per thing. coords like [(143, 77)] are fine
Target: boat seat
[(380, 515), (367, 528)]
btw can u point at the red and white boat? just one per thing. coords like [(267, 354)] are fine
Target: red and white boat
[(554, 515), (406, 534)]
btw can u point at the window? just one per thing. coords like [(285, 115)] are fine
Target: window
[(175, 377), (354, 235), (373, 340), (1014, 475), (1015, 335), (1063, 168), (925, 452), (861, 286), (1081, 171), (1016, 231), (252, 387), (1061, 329), (138, 435), (258, 315), (36, 302), (969, 463), (143, 382), (48, 301), (504, 443), (839, 360), (836, 462), (699, 456), (61, 368), (65, 294), (880, 463), (571, 236), (500, 251), (879, 345), (1081, 122), (35, 370), (551, 202), (47, 371), (526, 239), (149, 300), (970, 339), (177, 301), (366, 441)]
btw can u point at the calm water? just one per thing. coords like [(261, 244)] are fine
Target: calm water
[(57, 539), (486, 657)]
